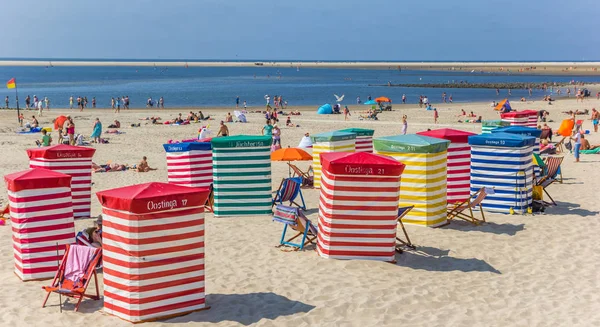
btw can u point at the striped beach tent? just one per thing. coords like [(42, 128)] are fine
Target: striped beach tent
[(242, 175), (358, 206), (153, 250), (189, 163), (515, 118), (41, 215), (75, 161), (330, 142), (532, 117), (459, 162), (488, 125), (364, 138), (503, 161), (525, 131), (424, 178)]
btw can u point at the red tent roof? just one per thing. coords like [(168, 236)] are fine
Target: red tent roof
[(529, 112), (61, 151), (514, 114), (153, 197), (360, 163), (452, 135), (36, 178)]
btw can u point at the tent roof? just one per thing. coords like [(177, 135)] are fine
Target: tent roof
[(359, 131), (187, 146), (36, 178), (452, 135), (502, 104), (412, 143), (514, 114), (360, 163), (521, 130), (325, 109), (241, 141), (153, 197), (61, 151), (333, 136), (501, 139)]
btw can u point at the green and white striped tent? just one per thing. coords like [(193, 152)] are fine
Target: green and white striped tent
[(488, 125), (242, 175)]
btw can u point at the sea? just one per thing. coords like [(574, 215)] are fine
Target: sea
[(220, 86)]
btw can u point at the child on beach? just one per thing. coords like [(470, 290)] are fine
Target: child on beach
[(46, 139), (346, 113), (435, 115), (404, 124)]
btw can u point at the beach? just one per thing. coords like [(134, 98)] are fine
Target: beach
[(514, 270)]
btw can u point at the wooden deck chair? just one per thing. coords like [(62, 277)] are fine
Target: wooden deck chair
[(551, 174), (307, 177), (210, 201), (560, 145), (464, 210), (74, 282), (401, 213), (294, 218), (288, 191)]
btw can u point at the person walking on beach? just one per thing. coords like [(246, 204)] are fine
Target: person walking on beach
[(346, 112), (6, 102), (435, 116), (237, 102), (71, 102), (94, 102), (85, 102), (403, 98), (404, 124), (27, 102), (595, 119), (118, 101), (127, 102), (444, 97), (40, 108), (420, 101), (569, 92), (70, 127), (267, 130), (223, 130), (450, 98), (577, 138), (509, 92), (245, 105), (357, 100), (497, 91), (161, 102), (46, 103)]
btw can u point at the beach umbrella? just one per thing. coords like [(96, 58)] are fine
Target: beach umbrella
[(59, 122), (370, 102), (383, 99), (537, 160), (240, 116), (290, 154)]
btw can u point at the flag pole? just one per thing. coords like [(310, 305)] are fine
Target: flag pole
[(17, 98)]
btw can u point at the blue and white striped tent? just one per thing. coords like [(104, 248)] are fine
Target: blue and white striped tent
[(525, 131), (504, 162)]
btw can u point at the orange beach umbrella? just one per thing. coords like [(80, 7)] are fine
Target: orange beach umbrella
[(59, 122), (383, 99), (290, 154)]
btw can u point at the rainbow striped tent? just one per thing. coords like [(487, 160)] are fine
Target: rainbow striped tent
[(488, 125), (459, 161), (364, 138), (525, 131), (504, 162), (424, 178), (330, 142), (358, 206), (242, 175), (189, 163)]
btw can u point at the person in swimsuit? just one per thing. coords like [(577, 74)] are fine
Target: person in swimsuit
[(595, 118), (276, 135), (143, 166), (71, 130), (404, 124), (223, 130)]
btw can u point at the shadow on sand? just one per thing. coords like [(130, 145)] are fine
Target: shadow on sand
[(487, 227), (568, 208), (433, 259)]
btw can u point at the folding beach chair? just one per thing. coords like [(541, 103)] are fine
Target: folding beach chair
[(295, 219), (288, 191), (560, 145), (551, 174), (401, 213), (307, 177), (210, 201), (74, 274), (459, 209)]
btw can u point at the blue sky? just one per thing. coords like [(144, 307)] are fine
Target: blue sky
[(303, 30)]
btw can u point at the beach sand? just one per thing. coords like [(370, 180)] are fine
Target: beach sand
[(515, 270)]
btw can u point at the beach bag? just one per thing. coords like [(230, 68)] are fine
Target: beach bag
[(538, 192), (275, 147), (569, 146)]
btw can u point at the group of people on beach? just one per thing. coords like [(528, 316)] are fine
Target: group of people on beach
[(82, 102)]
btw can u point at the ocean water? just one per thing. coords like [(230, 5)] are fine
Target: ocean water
[(219, 86)]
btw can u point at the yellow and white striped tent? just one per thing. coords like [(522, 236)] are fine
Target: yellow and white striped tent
[(424, 180), (330, 142)]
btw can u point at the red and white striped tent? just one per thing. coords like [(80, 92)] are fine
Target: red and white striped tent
[(459, 162), (153, 250), (364, 138), (515, 118), (41, 215), (358, 206), (75, 161), (189, 164), (532, 118)]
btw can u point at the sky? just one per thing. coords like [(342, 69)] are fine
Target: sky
[(476, 30)]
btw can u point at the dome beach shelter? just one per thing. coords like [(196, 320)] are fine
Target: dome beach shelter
[(525, 131), (459, 162), (242, 175), (488, 125), (153, 250), (75, 161), (358, 206), (504, 162), (364, 138), (41, 214), (424, 178), (189, 164), (330, 142)]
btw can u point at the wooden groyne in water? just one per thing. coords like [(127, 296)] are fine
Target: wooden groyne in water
[(466, 85)]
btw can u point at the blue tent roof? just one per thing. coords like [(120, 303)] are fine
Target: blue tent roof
[(502, 139), (521, 130), (187, 146), (325, 109)]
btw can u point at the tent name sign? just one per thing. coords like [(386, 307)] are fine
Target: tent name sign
[(361, 170), (247, 144), (62, 154), (163, 205), (495, 142)]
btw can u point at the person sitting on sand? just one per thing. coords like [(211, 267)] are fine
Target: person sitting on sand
[(523, 99), (229, 118), (34, 122), (223, 130), (143, 166), (472, 114), (92, 235), (462, 112), (288, 122), (547, 147), (115, 124), (46, 139)]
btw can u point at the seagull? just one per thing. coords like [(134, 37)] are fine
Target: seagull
[(338, 98)]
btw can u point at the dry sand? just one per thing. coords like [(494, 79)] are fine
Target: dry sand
[(517, 270)]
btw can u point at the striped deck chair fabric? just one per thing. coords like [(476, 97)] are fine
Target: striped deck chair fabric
[(288, 191), (294, 218), (552, 173), (402, 211), (459, 210)]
